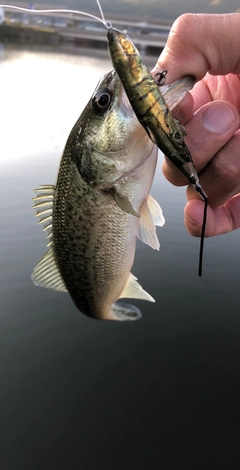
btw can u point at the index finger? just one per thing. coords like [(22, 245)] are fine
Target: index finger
[(200, 43)]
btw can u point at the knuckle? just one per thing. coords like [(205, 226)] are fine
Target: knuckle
[(183, 27), (182, 21), (227, 170)]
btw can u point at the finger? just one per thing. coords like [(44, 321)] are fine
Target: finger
[(211, 88), (221, 178), (221, 220), (208, 131), (184, 110), (201, 43)]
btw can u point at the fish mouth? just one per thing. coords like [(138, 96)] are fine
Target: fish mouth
[(112, 80), (124, 103), (109, 80)]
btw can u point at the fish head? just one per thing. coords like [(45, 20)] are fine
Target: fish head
[(108, 141)]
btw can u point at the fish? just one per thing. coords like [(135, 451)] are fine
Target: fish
[(101, 204), (98, 207)]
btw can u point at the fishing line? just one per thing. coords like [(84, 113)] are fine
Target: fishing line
[(205, 199), (76, 12), (107, 24), (101, 12), (202, 238)]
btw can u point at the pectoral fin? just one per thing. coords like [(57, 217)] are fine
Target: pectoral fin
[(156, 211), (150, 215), (123, 202)]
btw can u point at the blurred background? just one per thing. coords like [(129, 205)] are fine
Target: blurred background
[(75, 393)]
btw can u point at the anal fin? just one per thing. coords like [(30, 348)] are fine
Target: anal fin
[(133, 290)]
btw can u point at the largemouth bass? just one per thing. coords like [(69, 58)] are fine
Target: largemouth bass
[(99, 206)]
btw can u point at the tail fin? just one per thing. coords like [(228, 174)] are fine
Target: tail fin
[(125, 312)]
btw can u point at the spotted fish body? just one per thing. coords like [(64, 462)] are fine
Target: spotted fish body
[(99, 206), (149, 104)]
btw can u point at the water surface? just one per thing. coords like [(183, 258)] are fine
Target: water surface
[(75, 393)]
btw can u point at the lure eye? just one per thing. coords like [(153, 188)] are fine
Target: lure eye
[(102, 100)]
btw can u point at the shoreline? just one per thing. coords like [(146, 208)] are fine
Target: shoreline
[(34, 34)]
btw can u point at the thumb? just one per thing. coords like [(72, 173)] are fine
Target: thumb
[(222, 219), (200, 43)]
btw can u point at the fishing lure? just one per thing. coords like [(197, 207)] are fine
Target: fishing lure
[(152, 111), (148, 103)]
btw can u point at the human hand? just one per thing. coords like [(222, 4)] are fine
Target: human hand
[(206, 46)]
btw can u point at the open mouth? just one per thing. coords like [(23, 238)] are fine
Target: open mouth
[(125, 103)]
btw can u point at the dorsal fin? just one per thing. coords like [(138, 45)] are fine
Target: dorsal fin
[(47, 274), (43, 205)]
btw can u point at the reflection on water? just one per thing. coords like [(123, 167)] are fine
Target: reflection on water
[(77, 393)]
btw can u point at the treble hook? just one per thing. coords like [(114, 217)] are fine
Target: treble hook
[(161, 77)]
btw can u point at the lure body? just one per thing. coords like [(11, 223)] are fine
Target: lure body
[(149, 104)]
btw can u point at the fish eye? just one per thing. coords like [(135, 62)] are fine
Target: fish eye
[(102, 100)]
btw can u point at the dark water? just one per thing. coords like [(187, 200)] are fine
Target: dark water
[(75, 393)]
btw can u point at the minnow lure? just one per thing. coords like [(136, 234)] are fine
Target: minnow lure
[(152, 111), (148, 103)]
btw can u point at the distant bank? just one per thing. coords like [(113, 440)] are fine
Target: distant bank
[(59, 29)]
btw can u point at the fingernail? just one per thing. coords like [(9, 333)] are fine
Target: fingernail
[(218, 118)]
